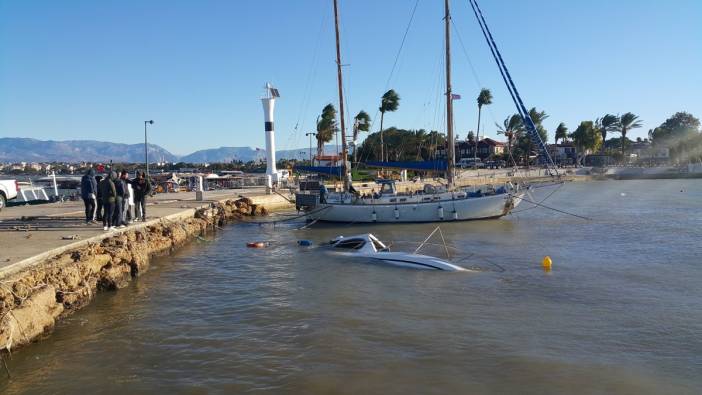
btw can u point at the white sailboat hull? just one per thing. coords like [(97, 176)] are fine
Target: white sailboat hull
[(485, 207)]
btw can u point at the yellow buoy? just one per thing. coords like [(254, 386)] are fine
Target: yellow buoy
[(546, 263)]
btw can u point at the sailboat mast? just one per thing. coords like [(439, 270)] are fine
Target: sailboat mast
[(344, 151), (451, 157)]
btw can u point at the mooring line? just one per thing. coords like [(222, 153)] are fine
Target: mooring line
[(550, 208)]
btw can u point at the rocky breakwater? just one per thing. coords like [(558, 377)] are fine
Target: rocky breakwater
[(33, 298)]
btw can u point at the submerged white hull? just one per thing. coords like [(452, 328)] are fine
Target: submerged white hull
[(485, 207)]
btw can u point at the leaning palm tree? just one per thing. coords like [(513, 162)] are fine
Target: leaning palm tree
[(484, 99), (512, 129), (326, 126), (361, 123), (388, 103), (627, 122), (608, 123), (561, 132)]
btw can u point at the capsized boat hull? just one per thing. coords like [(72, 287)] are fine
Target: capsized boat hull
[(476, 208)]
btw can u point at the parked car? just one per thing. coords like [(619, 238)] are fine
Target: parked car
[(495, 164), (8, 191), (470, 163)]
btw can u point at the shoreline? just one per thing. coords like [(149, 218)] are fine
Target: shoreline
[(37, 291)]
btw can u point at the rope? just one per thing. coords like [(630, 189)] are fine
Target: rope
[(550, 208), (288, 219)]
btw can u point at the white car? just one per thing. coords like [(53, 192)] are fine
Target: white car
[(368, 247), (8, 191)]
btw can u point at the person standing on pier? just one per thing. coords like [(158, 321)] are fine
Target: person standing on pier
[(142, 187), (120, 188), (88, 191), (98, 214), (108, 194)]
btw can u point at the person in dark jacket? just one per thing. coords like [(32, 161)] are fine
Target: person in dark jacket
[(142, 188), (108, 194), (88, 191), (121, 189), (98, 214)]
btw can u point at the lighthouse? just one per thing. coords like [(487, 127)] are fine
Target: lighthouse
[(268, 101)]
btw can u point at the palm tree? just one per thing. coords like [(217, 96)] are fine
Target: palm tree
[(388, 103), (361, 123), (326, 126), (525, 142), (608, 123), (484, 99), (561, 132), (627, 122), (512, 129)]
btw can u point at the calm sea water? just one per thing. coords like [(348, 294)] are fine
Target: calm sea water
[(621, 312)]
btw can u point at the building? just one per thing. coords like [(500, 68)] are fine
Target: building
[(563, 154), (328, 160), (487, 149)]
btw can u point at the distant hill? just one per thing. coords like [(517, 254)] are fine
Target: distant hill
[(14, 149), (245, 154)]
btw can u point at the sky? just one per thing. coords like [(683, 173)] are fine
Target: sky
[(86, 69)]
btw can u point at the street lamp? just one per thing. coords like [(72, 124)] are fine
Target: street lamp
[(311, 134), (146, 147)]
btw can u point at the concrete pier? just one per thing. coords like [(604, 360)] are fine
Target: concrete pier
[(52, 263)]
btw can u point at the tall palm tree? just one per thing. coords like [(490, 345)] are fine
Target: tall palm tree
[(361, 123), (561, 132), (388, 103), (326, 126), (627, 122), (608, 123), (484, 99), (512, 129)]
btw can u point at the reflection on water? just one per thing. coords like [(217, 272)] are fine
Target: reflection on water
[(618, 314)]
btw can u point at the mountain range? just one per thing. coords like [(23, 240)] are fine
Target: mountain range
[(18, 149)]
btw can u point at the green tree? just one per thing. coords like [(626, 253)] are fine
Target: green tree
[(525, 146), (484, 99), (388, 103), (587, 137), (681, 134), (679, 125), (561, 132), (326, 126), (512, 127), (608, 123), (361, 123), (627, 122)]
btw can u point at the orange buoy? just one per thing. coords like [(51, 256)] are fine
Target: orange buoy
[(256, 244)]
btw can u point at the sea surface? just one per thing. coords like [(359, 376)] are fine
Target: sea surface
[(621, 311)]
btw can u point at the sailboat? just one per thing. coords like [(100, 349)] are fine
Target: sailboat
[(434, 204)]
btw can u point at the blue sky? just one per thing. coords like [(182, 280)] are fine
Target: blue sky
[(91, 69)]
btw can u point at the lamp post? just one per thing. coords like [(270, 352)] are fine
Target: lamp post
[(146, 147), (311, 134)]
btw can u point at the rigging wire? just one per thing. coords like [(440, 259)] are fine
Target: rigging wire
[(397, 57), (307, 92)]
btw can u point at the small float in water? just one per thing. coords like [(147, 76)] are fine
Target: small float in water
[(367, 246)]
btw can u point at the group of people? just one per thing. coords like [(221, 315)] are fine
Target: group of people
[(112, 198)]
